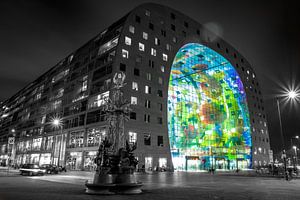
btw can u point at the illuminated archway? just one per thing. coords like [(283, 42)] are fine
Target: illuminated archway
[(208, 117)]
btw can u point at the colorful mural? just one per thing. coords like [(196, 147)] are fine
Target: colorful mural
[(208, 118)]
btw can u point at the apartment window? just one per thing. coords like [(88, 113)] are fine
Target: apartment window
[(132, 137), (141, 47), (138, 19), (186, 24), (165, 57), (131, 29), (159, 105), (159, 93), (168, 47), (162, 68), (145, 36), (160, 140), (147, 103), (173, 27), (174, 39), (132, 115), (135, 86), (122, 67), (136, 72), (151, 63), (127, 40), (147, 139), (151, 26), (159, 120), (84, 83), (147, 118), (160, 80), (173, 16), (125, 53), (149, 77), (138, 59), (147, 13), (156, 41), (134, 100), (153, 52), (147, 89), (198, 32), (163, 33)]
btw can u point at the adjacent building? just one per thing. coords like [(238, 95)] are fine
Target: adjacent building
[(196, 101)]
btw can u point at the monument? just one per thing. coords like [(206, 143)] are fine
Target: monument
[(115, 160)]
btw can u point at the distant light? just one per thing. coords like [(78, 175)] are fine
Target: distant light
[(294, 147), (56, 122), (13, 130), (297, 136), (292, 94)]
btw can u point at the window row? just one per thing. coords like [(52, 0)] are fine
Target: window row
[(147, 118)]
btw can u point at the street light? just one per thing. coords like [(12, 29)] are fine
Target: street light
[(58, 123), (295, 148), (290, 95)]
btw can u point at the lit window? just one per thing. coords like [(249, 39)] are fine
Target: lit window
[(124, 53), (132, 137), (165, 57), (127, 40), (148, 75), (141, 47), (153, 52), (134, 100), (147, 139), (156, 41), (147, 13), (162, 68), (147, 104), (145, 36), (147, 89), (168, 47), (131, 29), (147, 118), (84, 83), (174, 39), (135, 86)]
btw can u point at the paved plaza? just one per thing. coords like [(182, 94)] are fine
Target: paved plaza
[(178, 185)]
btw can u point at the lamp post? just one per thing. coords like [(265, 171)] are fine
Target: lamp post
[(295, 160), (290, 95), (57, 123)]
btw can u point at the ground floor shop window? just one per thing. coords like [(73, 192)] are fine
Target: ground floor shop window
[(45, 158), (74, 161), (89, 158)]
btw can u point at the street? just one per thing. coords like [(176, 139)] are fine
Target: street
[(178, 185)]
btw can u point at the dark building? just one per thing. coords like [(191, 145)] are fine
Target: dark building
[(196, 101)]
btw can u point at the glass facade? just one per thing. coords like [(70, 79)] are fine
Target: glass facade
[(208, 117)]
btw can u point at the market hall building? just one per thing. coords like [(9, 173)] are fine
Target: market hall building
[(196, 102)]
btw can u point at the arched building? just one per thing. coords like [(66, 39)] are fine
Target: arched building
[(196, 100)]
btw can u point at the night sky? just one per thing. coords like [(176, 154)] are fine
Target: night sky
[(35, 35)]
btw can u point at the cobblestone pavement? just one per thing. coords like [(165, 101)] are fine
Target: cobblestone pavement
[(178, 185)]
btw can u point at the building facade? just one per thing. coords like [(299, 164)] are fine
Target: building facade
[(196, 101)]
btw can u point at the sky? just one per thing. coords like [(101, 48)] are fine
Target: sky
[(35, 35)]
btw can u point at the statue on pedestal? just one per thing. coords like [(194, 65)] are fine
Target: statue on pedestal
[(115, 160)]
